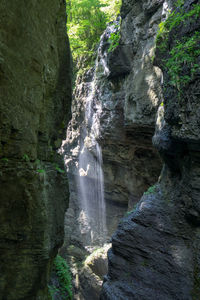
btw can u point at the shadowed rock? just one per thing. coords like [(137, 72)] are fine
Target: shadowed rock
[(155, 250), (35, 93)]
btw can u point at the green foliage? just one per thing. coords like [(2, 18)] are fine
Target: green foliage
[(182, 63), (26, 158), (4, 159), (53, 291), (38, 165), (40, 170), (179, 3), (184, 53), (58, 169), (173, 20), (64, 277), (151, 190), (86, 22), (114, 39)]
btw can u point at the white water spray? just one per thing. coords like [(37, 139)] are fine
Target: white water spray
[(90, 180)]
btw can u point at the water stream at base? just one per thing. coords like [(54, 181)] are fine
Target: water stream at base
[(91, 180)]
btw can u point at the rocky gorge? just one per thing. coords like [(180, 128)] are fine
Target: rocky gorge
[(134, 99), (131, 153), (35, 100), (125, 95), (155, 250)]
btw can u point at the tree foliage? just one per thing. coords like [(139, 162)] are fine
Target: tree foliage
[(87, 20)]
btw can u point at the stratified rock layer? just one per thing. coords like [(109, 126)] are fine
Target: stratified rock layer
[(129, 102), (124, 91), (125, 98), (155, 250), (34, 109)]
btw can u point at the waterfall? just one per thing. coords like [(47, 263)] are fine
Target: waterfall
[(90, 181)]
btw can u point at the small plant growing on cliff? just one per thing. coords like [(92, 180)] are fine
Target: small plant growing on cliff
[(26, 157), (39, 169), (114, 41), (131, 211), (58, 169), (151, 190), (63, 288), (4, 159)]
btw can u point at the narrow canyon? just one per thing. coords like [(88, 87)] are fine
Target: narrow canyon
[(100, 163)]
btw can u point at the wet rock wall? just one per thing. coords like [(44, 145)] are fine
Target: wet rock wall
[(35, 94)]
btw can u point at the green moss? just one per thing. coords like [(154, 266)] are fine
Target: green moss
[(145, 263), (151, 190), (130, 212)]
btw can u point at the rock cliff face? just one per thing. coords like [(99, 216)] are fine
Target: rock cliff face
[(126, 92), (126, 95), (34, 109), (155, 250), (129, 103)]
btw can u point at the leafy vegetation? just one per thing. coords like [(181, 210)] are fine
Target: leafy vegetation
[(182, 63), (114, 39), (151, 190), (184, 53), (86, 22), (58, 169), (5, 159), (40, 170), (26, 157), (64, 288), (38, 166), (173, 20)]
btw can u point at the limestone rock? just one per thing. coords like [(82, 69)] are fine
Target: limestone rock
[(125, 99), (126, 105), (117, 61), (129, 104), (88, 277), (155, 250), (35, 97)]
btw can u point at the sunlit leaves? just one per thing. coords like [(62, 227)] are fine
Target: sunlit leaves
[(86, 22)]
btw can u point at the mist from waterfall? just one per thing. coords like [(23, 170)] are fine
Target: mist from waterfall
[(90, 180)]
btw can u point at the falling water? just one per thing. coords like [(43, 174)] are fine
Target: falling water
[(90, 179)]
